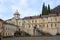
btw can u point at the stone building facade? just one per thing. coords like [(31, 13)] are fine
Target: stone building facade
[(7, 29), (1, 23), (45, 23)]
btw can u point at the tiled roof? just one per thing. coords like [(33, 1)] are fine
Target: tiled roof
[(1, 20), (10, 24), (31, 17)]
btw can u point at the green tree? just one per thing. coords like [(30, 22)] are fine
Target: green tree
[(44, 10), (48, 8)]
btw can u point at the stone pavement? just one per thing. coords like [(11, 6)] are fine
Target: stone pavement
[(34, 38)]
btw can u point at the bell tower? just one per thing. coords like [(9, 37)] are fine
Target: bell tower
[(16, 15)]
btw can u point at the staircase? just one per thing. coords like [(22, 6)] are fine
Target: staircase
[(42, 32)]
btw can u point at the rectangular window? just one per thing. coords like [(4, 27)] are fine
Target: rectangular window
[(55, 24), (32, 21), (51, 25), (6, 33), (39, 25), (35, 21), (19, 22), (5, 28), (29, 26), (43, 25), (51, 19), (47, 25), (55, 19)]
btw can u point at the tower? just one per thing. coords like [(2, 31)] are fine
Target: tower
[(16, 17)]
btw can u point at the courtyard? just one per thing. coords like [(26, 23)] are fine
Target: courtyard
[(34, 38)]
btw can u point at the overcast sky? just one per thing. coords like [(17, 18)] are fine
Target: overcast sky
[(25, 7)]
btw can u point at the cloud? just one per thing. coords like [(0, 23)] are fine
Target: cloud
[(25, 7), (23, 2)]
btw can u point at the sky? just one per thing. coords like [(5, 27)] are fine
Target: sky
[(25, 7)]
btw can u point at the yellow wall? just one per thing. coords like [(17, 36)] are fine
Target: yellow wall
[(45, 23), (1, 23), (9, 30)]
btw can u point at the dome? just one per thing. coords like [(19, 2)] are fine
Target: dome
[(16, 13)]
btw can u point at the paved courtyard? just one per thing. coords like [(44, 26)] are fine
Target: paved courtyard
[(33, 38)]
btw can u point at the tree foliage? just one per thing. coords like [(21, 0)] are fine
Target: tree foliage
[(45, 10), (48, 8)]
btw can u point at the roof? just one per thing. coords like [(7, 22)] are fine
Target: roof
[(8, 20), (1, 20), (53, 15), (42, 16), (31, 17), (10, 24)]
